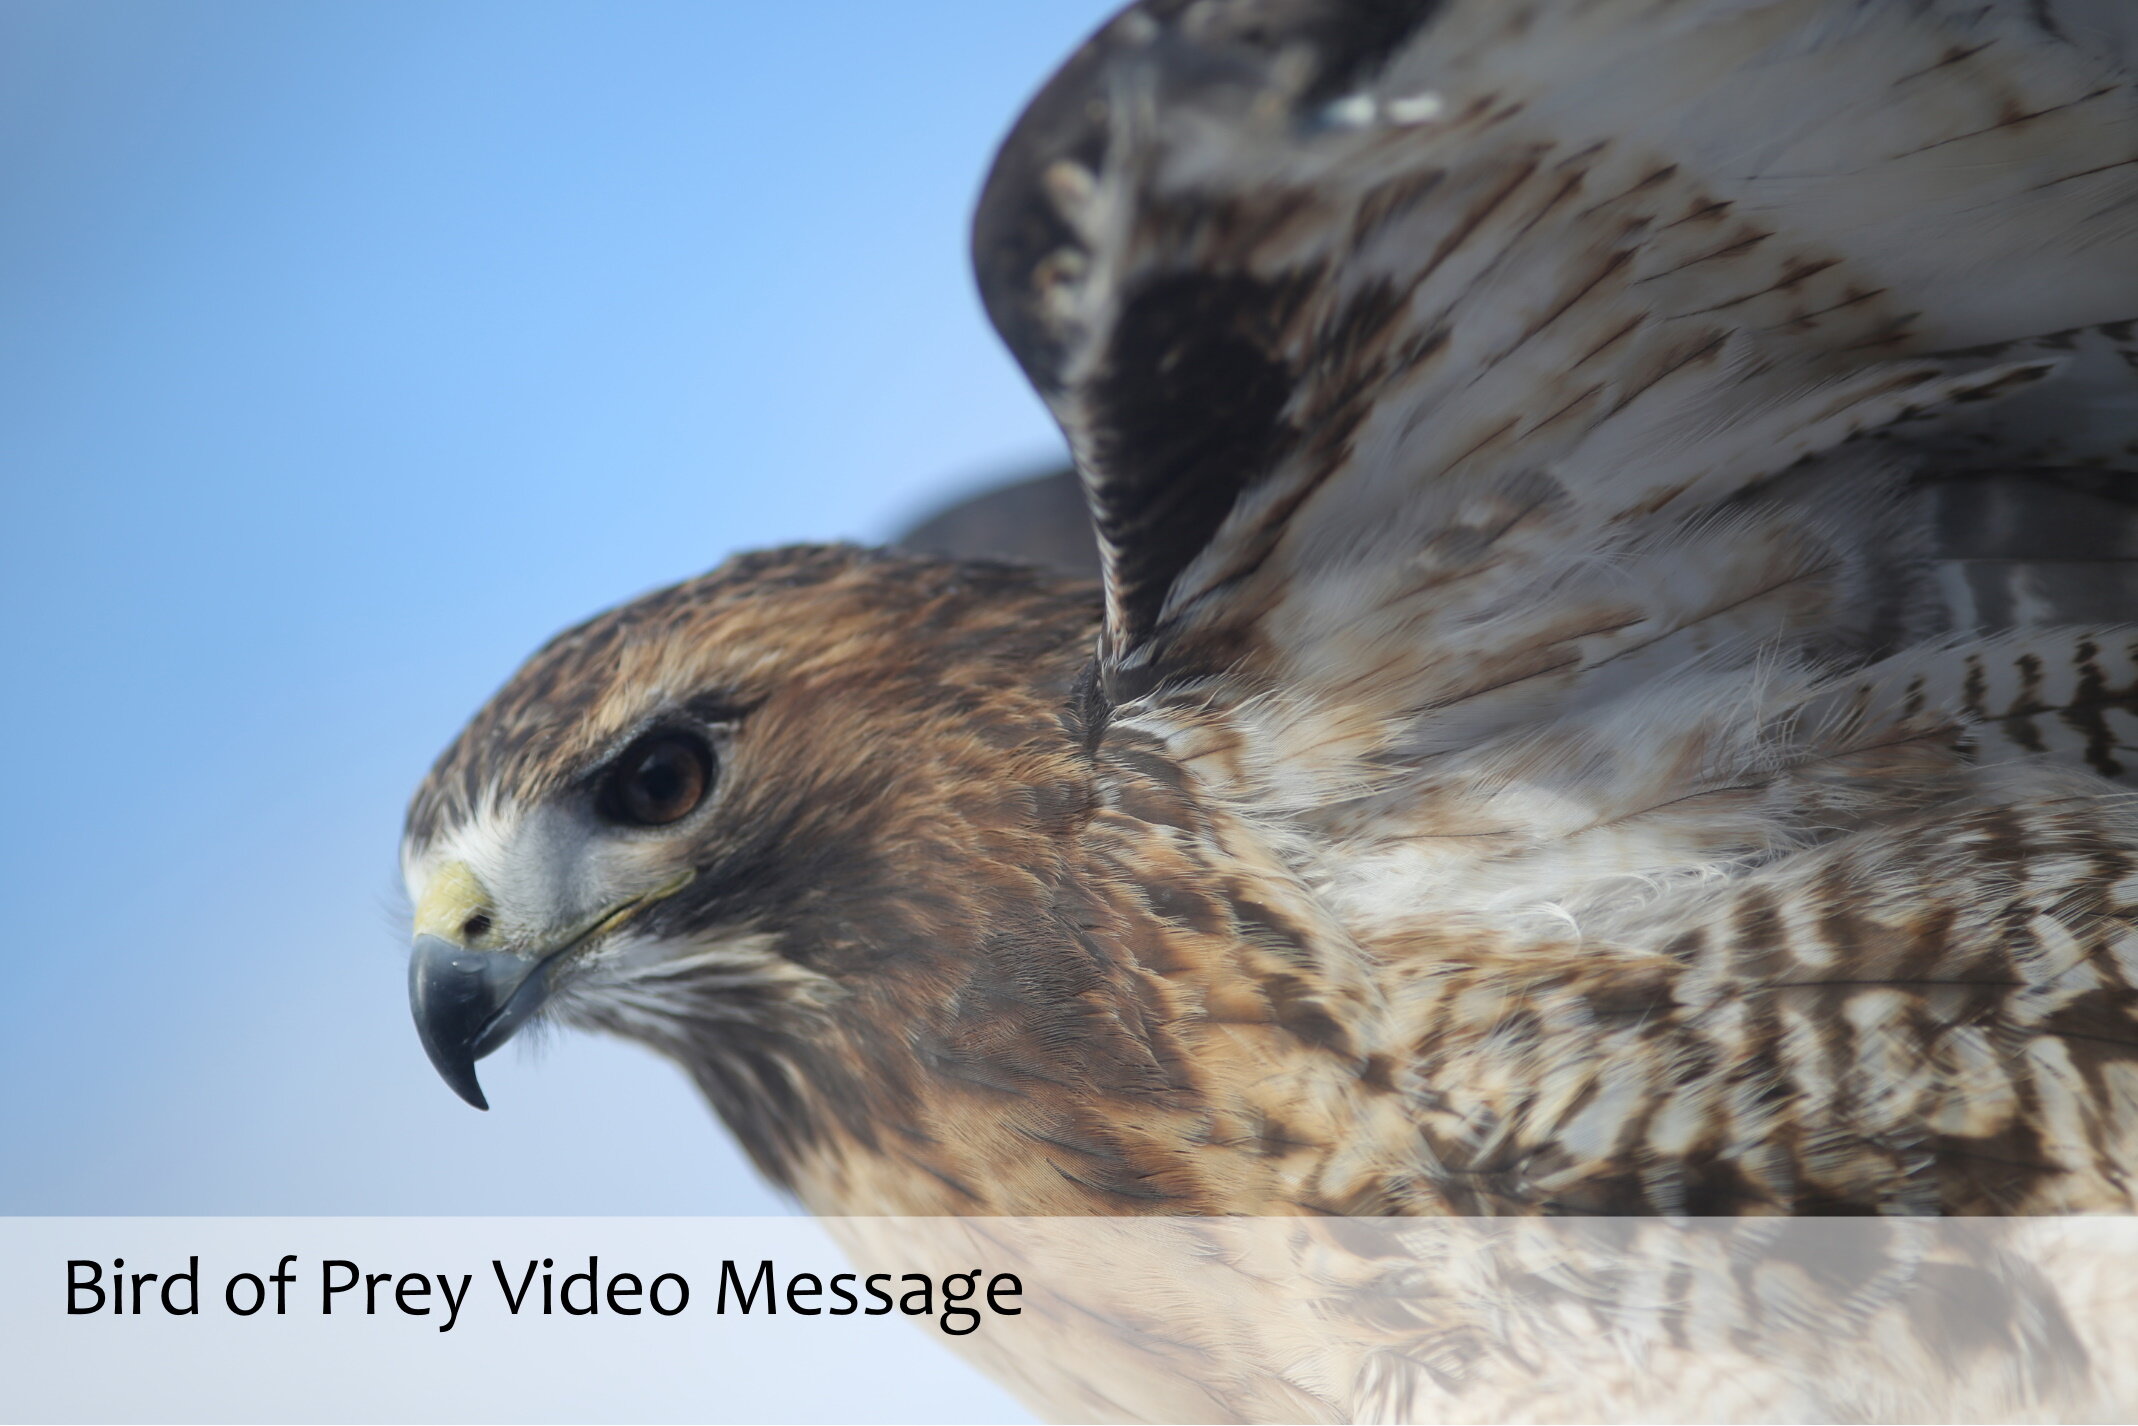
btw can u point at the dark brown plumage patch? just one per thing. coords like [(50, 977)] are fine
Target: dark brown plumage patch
[(1193, 399)]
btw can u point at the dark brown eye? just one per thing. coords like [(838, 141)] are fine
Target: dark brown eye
[(661, 778)]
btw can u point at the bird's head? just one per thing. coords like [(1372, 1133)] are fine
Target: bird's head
[(727, 819)]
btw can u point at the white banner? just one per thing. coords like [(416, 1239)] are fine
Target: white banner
[(463, 1319), (1160, 1319)]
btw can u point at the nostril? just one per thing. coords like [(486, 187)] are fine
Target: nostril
[(475, 927)]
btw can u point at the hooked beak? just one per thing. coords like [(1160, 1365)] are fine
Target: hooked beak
[(467, 1003)]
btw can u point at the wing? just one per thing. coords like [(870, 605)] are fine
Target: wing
[(1437, 371), (1627, 474), (1325, 293), (1037, 520)]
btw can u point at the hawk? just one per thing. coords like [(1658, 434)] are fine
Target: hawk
[(1611, 691)]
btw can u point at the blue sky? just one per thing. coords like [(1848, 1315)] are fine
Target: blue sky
[(347, 351)]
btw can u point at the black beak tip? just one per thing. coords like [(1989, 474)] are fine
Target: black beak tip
[(459, 1076), (467, 1003)]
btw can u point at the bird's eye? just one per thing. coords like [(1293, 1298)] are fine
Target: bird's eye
[(661, 778)]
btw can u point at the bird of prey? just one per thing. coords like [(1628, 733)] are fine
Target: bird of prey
[(1612, 688)]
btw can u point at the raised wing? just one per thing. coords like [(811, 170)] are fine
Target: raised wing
[(1343, 300), (1040, 519), (1631, 500)]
